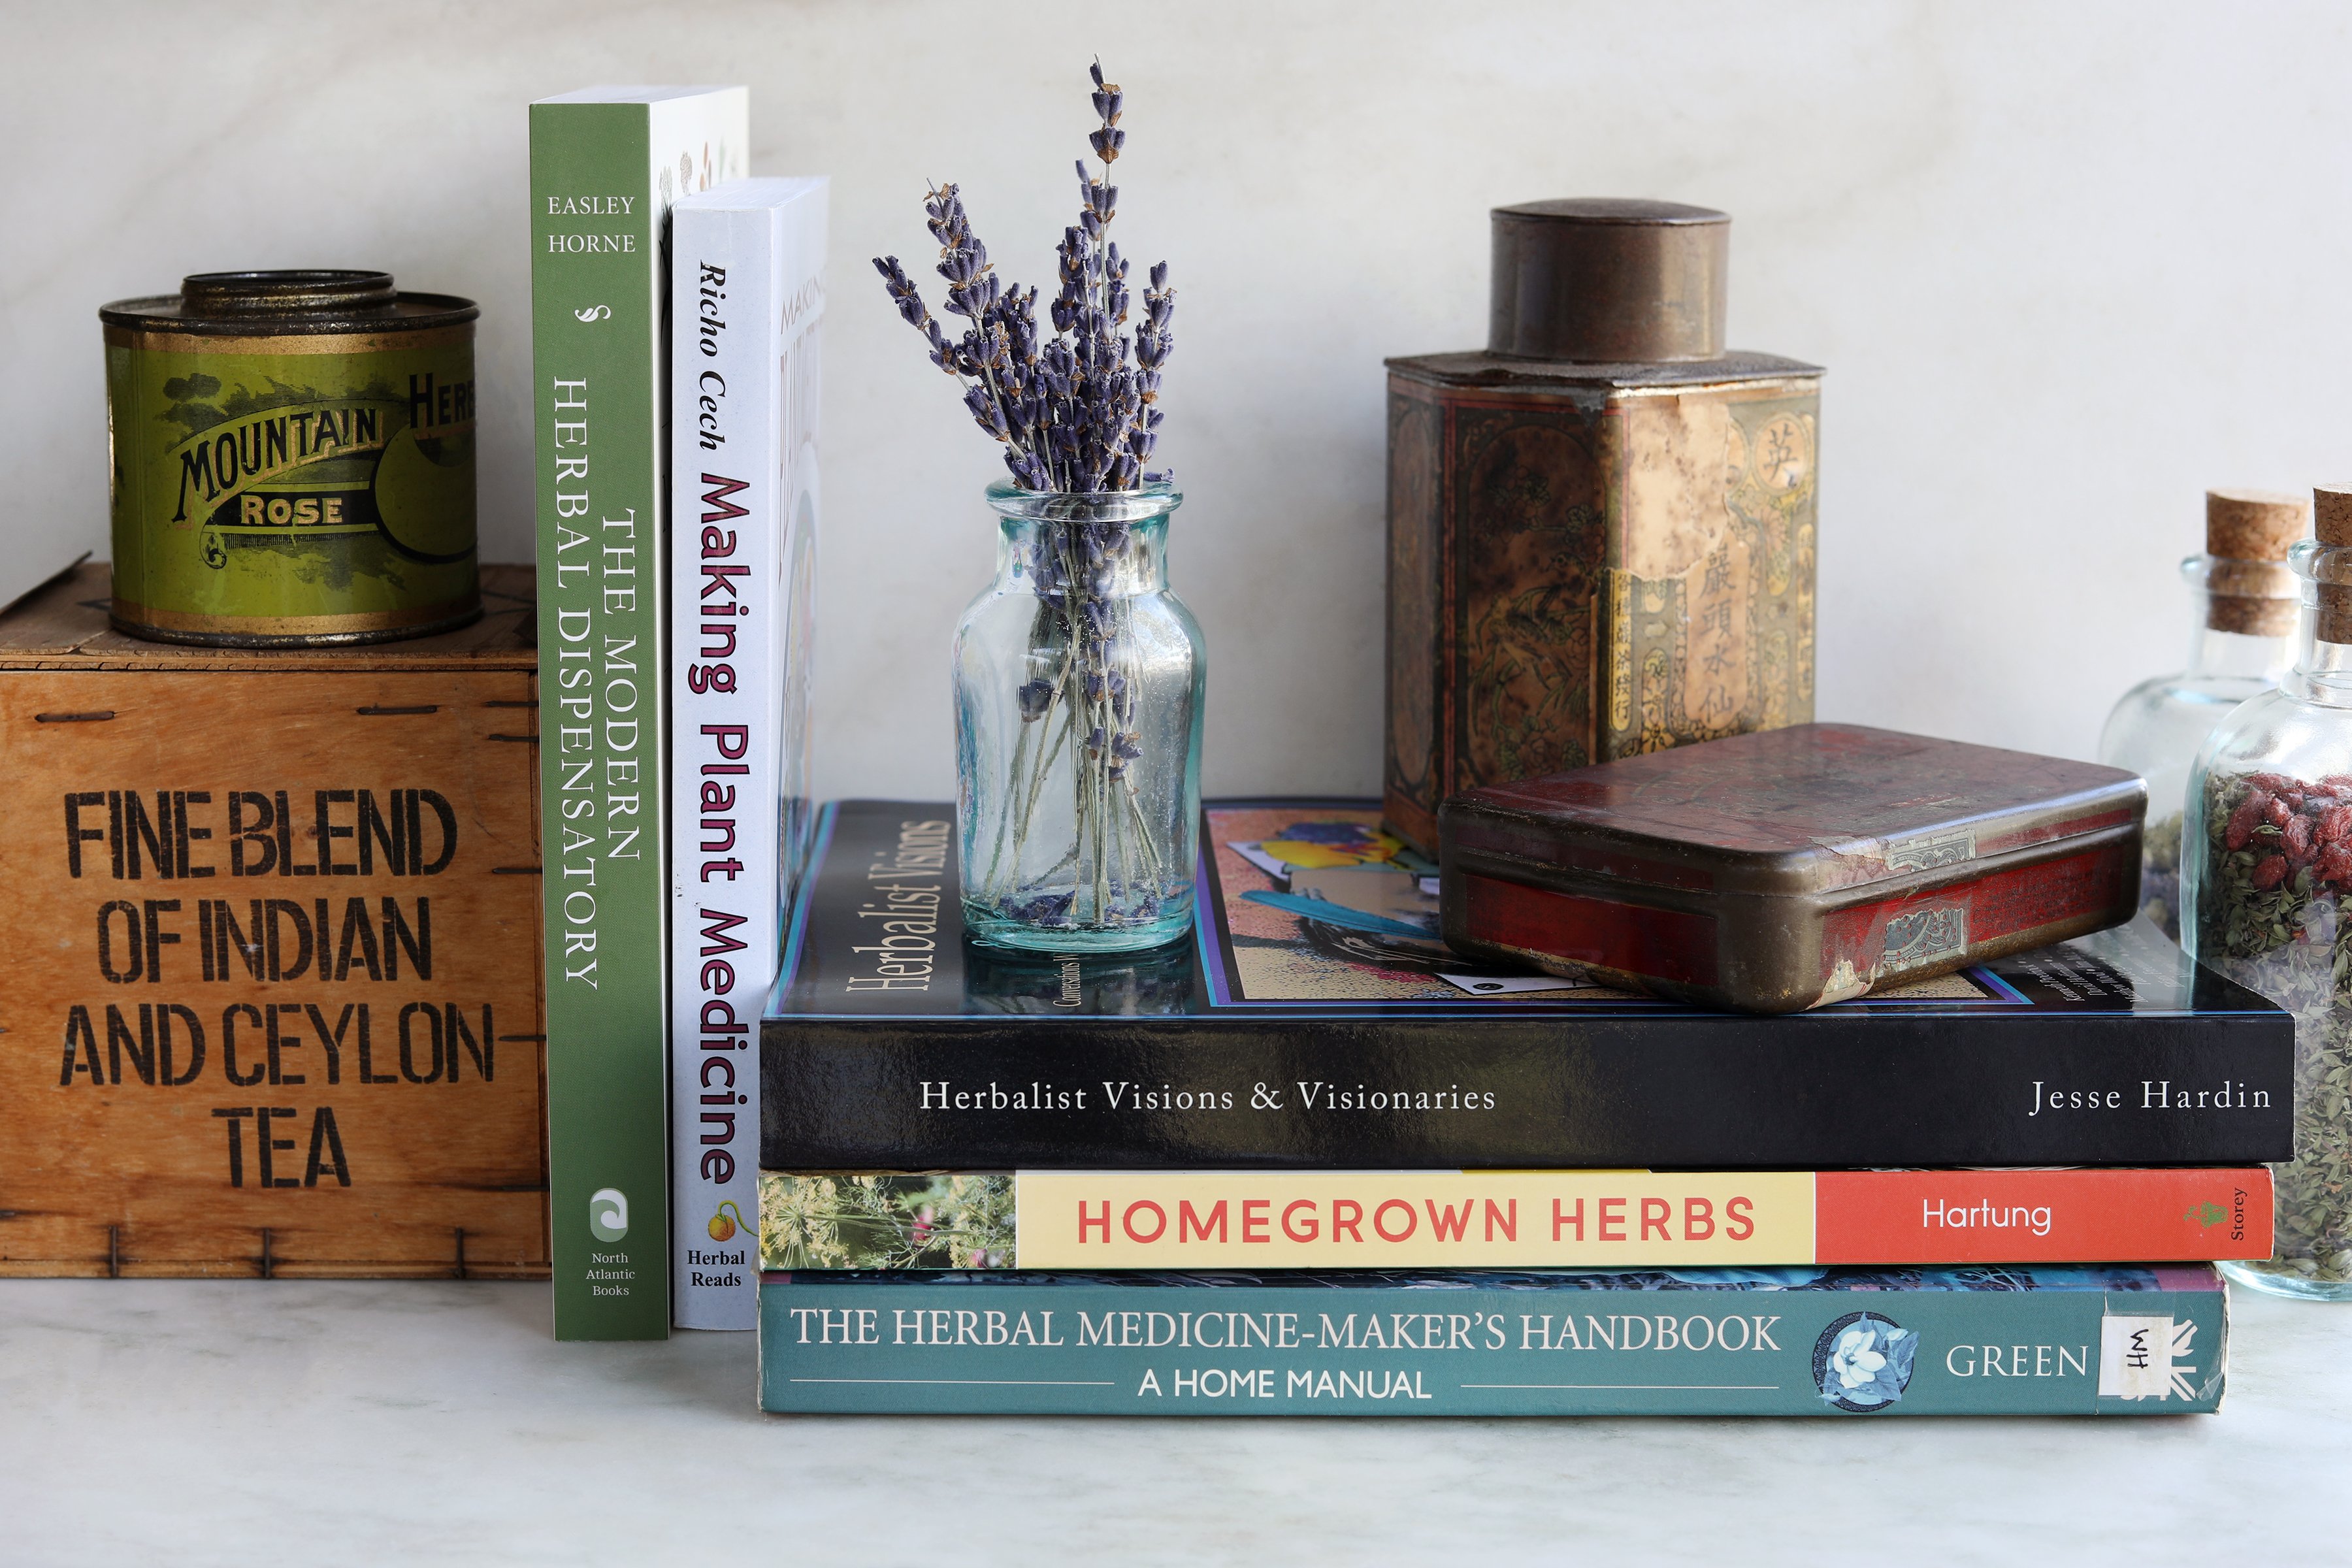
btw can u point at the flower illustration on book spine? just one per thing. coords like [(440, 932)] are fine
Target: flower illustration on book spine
[(1863, 1362), (886, 1221), (1077, 414)]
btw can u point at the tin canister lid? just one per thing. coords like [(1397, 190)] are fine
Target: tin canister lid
[(1609, 280), (1805, 811), (317, 300)]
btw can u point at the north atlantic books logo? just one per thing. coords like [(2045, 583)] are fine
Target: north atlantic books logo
[(608, 1221), (608, 1213)]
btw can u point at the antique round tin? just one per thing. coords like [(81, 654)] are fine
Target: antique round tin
[(292, 461)]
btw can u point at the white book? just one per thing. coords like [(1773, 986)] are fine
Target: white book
[(747, 293)]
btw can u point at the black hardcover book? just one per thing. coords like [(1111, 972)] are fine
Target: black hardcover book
[(1315, 1020)]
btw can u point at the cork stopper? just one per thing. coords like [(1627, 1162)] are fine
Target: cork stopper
[(2254, 526), (2247, 536), (2331, 514), (2331, 518)]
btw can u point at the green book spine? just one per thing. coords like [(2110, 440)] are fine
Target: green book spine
[(1845, 1343), (605, 164)]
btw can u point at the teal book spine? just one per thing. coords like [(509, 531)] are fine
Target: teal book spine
[(606, 164), (1847, 1343)]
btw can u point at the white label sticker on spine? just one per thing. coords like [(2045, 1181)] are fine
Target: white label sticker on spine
[(2142, 1357)]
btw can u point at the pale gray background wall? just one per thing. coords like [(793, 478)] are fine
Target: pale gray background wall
[(2067, 267)]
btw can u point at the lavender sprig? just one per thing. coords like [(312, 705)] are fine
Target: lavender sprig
[(1072, 412)]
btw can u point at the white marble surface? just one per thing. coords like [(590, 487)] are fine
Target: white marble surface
[(284, 1422)]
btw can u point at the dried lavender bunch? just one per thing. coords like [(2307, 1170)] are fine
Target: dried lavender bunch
[(1079, 411), (1075, 406)]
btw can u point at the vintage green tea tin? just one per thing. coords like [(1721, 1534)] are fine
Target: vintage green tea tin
[(293, 460)]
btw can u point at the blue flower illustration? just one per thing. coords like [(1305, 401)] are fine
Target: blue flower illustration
[(1863, 1363)]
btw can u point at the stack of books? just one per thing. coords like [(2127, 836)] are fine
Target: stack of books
[(1312, 1163)]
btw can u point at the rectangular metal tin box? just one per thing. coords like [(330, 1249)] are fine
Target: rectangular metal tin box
[(1774, 872)]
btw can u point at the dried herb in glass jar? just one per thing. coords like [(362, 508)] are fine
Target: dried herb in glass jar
[(2266, 869), (2272, 915)]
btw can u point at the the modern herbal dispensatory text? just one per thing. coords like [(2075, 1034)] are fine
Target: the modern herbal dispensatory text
[(604, 743)]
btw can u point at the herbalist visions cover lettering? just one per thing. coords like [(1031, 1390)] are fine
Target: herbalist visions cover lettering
[(606, 164), (1315, 1019)]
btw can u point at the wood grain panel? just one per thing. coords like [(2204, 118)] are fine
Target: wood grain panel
[(163, 870)]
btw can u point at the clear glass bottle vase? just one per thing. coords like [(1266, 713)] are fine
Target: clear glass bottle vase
[(1079, 680), (2266, 891), (2243, 640)]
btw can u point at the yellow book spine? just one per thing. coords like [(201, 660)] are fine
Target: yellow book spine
[(1410, 1219)]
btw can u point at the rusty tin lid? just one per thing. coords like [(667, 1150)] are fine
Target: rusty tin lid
[(1609, 279), (316, 301), (1813, 811)]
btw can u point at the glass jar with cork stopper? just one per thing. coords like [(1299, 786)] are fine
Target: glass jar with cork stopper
[(2242, 642), (2266, 891)]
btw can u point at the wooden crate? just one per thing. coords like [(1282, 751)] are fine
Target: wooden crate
[(167, 878)]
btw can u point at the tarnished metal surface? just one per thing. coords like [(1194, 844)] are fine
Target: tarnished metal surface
[(292, 461), (1591, 556), (1779, 871), (1608, 281)]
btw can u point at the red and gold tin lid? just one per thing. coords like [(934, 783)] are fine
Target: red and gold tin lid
[(1782, 871)]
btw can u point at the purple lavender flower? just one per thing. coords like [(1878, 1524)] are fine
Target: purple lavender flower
[(1044, 909), (1072, 414)]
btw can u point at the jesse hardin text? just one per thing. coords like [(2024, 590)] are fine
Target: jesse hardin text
[(2155, 1094)]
